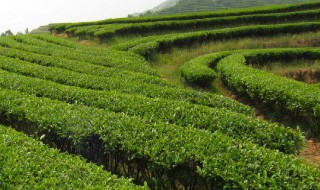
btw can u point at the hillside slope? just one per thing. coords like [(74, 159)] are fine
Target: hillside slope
[(112, 105), (42, 29), (185, 6), (164, 5)]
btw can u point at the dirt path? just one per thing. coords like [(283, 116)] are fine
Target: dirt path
[(310, 76), (311, 153), (224, 90)]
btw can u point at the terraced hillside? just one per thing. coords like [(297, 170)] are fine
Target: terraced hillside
[(117, 106), (184, 6)]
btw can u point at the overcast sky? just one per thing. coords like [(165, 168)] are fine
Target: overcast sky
[(18, 15)]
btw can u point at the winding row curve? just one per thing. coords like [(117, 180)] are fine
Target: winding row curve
[(112, 108)]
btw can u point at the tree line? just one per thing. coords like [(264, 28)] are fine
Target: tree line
[(10, 33)]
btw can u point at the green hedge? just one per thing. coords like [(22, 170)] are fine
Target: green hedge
[(235, 12), (28, 164), (109, 31), (108, 58), (109, 73), (317, 85), (163, 150), (158, 110), (71, 78), (285, 95), (166, 42), (64, 42), (205, 5), (198, 72)]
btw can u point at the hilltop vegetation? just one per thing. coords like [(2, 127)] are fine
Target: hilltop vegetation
[(112, 107), (164, 5), (41, 29), (186, 6)]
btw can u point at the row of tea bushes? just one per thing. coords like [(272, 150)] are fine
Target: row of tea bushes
[(202, 71), (71, 78), (106, 32), (59, 28), (123, 60), (282, 94), (28, 164), (162, 151), (159, 110), (150, 45)]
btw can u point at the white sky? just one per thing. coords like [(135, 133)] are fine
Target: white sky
[(18, 15)]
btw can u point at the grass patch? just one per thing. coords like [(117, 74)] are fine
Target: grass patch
[(307, 71), (168, 63)]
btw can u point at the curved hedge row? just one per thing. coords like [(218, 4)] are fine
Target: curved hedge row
[(281, 94), (109, 31), (158, 110), (147, 46), (83, 67), (170, 137), (45, 40), (108, 58), (298, 99), (160, 150), (63, 42), (199, 72), (50, 43), (124, 86), (28, 164), (204, 5), (235, 12)]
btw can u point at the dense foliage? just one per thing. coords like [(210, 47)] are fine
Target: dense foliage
[(150, 45), (284, 95), (160, 110), (184, 6), (187, 16), (110, 106), (28, 164), (105, 32), (163, 148)]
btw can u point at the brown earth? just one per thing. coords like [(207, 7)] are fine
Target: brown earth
[(309, 76), (313, 42), (311, 153), (224, 90), (63, 35)]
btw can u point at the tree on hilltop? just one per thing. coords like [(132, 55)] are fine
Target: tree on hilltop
[(7, 33)]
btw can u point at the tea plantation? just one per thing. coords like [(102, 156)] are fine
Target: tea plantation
[(105, 118)]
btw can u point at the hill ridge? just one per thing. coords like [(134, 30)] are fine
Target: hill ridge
[(188, 6)]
